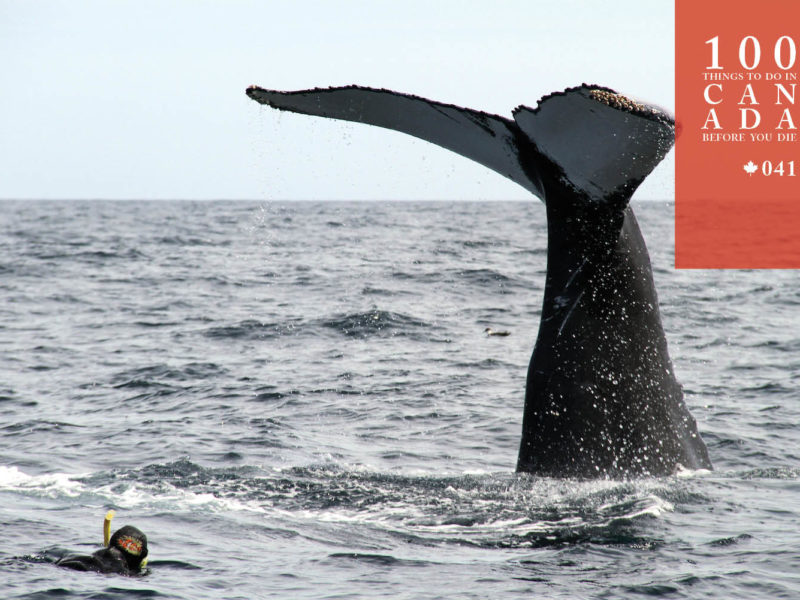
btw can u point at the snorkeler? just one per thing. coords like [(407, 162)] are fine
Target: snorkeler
[(125, 552)]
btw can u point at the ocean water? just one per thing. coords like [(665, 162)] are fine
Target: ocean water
[(298, 400)]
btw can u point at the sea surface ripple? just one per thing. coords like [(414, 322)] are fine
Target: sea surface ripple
[(298, 400)]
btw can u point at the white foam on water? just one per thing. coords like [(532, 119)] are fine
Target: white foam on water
[(656, 507), (49, 485), (164, 497), (684, 473), (168, 497)]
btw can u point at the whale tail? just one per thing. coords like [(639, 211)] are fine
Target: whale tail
[(601, 396), (599, 143)]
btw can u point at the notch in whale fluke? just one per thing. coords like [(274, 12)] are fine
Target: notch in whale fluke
[(603, 143)]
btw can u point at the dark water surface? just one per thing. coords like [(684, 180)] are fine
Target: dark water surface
[(298, 401)]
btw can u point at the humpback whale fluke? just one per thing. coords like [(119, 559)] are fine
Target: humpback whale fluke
[(601, 398)]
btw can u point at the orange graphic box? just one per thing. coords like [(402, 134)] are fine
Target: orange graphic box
[(737, 105)]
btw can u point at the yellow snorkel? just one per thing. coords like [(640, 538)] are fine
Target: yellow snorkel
[(107, 536), (107, 527)]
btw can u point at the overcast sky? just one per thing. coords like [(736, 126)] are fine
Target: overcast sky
[(145, 99)]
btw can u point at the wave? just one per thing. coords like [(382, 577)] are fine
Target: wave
[(251, 329), (190, 240), (485, 277), (93, 257), (373, 323), (155, 374), (471, 277), (483, 510)]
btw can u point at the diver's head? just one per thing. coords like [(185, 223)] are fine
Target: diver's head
[(133, 545)]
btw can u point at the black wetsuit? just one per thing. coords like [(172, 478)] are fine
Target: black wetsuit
[(107, 560), (124, 555)]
